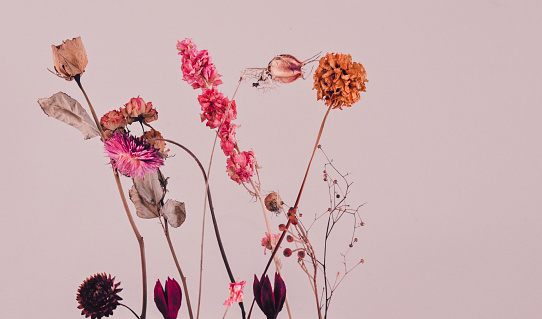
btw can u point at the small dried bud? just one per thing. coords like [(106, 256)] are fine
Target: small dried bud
[(273, 202), (287, 252), (70, 58), (362, 224), (301, 254), (350, 245), (356, 240), (362, 261)]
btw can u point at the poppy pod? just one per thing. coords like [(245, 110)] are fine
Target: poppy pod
[(270, 300), (70, 58)]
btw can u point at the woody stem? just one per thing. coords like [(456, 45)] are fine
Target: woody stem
[(126, 209)]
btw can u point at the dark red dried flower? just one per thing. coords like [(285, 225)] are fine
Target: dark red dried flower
[(168, 300), (269, 300), (98, 296)]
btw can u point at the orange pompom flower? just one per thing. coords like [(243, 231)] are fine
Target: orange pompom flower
[(338, 80)]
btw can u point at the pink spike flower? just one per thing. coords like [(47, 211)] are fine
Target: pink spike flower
[(240, 167), (131, 156), (197, 67), (214, 106), (236, 293)]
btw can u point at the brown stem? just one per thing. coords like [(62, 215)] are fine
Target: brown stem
[(297, 203), (183, 278), (126, 209)]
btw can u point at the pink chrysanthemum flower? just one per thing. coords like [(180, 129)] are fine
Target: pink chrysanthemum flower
[(197, 67), (133, 157), (236, 293), (240, 167), (268, 240), (214, 106)]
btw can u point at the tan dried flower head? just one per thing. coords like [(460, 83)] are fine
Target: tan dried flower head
[(338, 80), (70, 58), (273, 202)]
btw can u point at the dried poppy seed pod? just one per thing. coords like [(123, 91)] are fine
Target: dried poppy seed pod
[(70, 58), (285, 68), (273, 202)]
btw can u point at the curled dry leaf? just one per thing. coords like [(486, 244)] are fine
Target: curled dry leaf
[(175, 212), (147, 193), (63, 108)]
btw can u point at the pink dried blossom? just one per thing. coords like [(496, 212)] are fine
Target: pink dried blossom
[(197, 67), (133, 157), (227, 138), (214, 106), (236, 293), (112, 120), (240, 167), (270, 239), (138, 110)]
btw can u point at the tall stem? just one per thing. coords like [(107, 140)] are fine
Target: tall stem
[(183, 278), (296, 206), (126, 209)]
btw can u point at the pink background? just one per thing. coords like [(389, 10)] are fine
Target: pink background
[(444, 149)]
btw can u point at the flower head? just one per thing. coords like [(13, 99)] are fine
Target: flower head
[(214, 106), (269, 240), (159, 145), (113, 121), (138, 110), (338, 80), (197, 67), (236, 293), (168, 300), (98, 296), (70, 58), (269, 301), (240, 167), (133, 157)]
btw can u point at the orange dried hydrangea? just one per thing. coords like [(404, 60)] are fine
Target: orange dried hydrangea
[(338, 80)]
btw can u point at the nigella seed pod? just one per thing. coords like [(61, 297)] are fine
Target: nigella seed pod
[(286, 68), (273, 202)]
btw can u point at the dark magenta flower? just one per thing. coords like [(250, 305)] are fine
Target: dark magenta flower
[(98, 296), (270, 301), (168, 300)]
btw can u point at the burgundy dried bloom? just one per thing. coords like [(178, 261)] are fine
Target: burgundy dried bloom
[(168, 300), (98, 296), (133, 157), (269, 301)]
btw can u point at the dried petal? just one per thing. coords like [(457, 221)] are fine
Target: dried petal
[(175, 212)]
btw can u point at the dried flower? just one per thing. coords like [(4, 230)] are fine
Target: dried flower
[(240, 167), (113, 122), (227, 138), (273, 202), (159, 145), (339, 81), (133, 157), (236, 293), (214, 106), (98, 296), (285, 68), (138, 110), (70, 58), (269, 301), (168, 300), (197, 67), (269, 240)]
